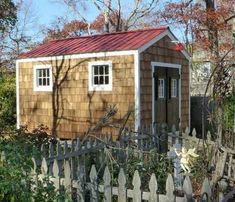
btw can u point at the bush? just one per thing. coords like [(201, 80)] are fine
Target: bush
[(229, 112), (16, 183), (7, 103)]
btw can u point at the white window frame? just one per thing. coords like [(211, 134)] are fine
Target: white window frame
[(104, 87), (161, 88), (35, 78), (174, 87)]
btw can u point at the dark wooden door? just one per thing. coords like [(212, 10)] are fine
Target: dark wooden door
[(166, 99)]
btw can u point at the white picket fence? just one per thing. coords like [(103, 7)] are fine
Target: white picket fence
[(61, 176)]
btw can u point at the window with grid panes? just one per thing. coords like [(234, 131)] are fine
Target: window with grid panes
[(42, 78), (100, 76)]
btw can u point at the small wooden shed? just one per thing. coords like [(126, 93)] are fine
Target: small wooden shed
[(76, 79)]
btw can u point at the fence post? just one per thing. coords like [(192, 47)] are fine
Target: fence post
[(153, 187), (121, 186), (136, 190), (107, 187)]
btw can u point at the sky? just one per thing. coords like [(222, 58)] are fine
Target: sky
[(45, 13), (48, 10)]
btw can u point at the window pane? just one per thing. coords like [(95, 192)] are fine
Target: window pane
[(95, 70), (48, 81), (39, 82), (106, 69), (44, 82), (101, 80), (101, 70), (161, 93), (39, 72), (48, 74), (44, 72), (174, 90), (106, 80), (96, 80)]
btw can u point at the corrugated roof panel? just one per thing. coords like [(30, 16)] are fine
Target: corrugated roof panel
[(130, 40)]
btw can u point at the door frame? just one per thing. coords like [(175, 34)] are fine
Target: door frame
[(166, 65)]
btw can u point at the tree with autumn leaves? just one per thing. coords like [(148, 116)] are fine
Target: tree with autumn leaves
[(209, 27), (113, 16)]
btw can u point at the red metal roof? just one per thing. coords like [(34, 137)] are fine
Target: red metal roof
[(130, 40)]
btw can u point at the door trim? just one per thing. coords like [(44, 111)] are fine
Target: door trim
[(166, 65)]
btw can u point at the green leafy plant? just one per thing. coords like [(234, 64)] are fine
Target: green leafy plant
[(229, 112), (7, 103), (16, 182)]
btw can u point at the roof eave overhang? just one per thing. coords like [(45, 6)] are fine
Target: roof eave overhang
[(78, 56)]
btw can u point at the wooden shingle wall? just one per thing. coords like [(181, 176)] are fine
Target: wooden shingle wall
[(163, 51), (79, 108)]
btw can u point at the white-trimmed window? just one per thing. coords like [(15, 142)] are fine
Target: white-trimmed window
[(43, 78), (174, 87), (161, 88), (100, 76)]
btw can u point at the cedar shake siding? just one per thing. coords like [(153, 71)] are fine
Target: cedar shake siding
[(79, 107), (163, 51)]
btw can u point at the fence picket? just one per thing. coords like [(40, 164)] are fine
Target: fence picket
[(153, 187), (170, 197), (80, 189), (206, 188), (93, 179), (67, 178), (122, 186), (187, 188), (136, 190), (55, 174), (107, 187), (44, 167)]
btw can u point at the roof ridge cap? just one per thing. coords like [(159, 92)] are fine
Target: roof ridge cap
[(112, 33)]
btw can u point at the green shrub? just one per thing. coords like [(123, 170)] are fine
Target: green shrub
[(16, 183), (7, 103), (229, 112)]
